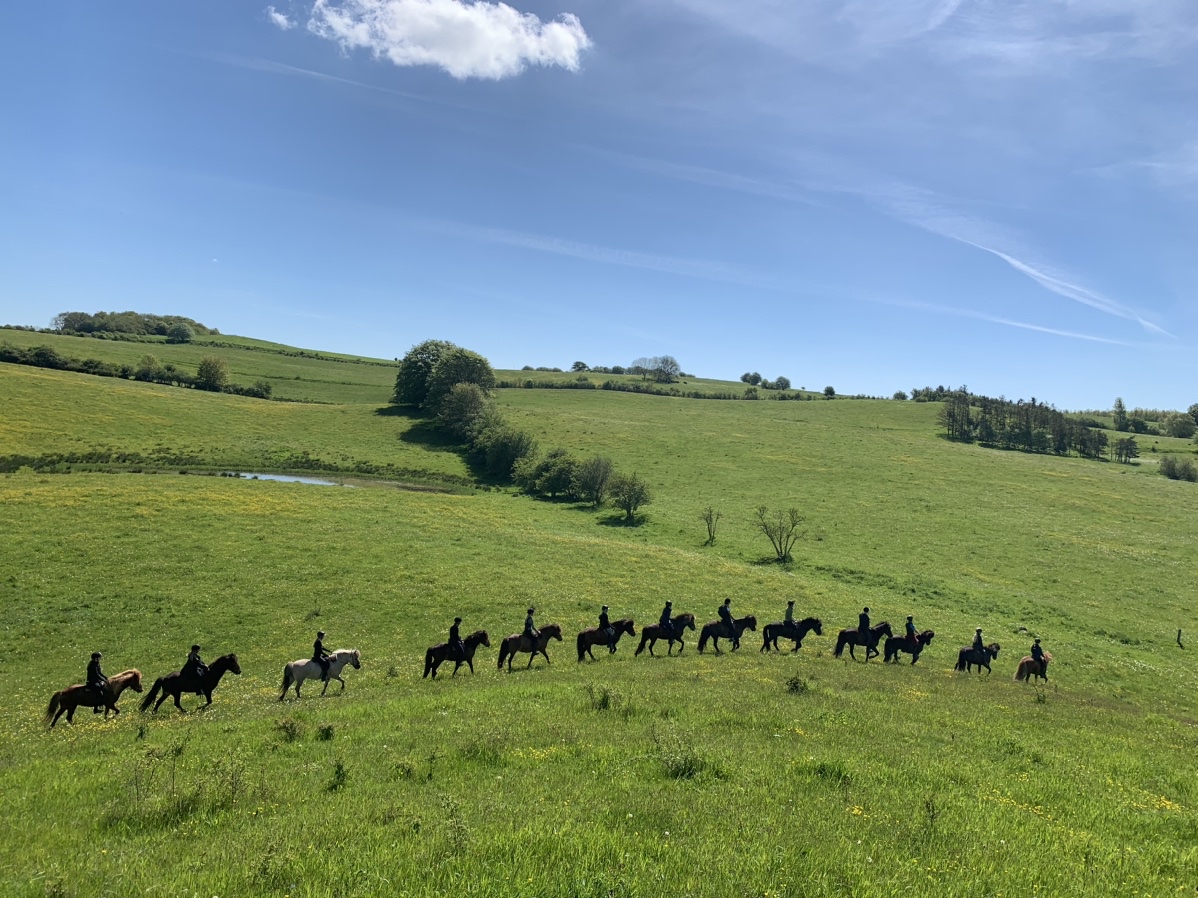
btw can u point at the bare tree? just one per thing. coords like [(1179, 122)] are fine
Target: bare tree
[(710, 517), (781, 528)]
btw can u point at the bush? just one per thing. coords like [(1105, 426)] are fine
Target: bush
[(411, 383), (213, 374), (502, 447), (180, 332), (829, 392), (629, 493), (1178, 424), (1179, 468), (457, 366), (462, 409), (592, 478)]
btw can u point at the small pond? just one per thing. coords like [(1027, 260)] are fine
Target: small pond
[(283, 478)]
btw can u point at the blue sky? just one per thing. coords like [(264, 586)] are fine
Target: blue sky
[(872, 194)]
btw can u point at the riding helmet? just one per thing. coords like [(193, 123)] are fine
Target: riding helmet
[(909, 617), (320, 634), (604, 607), (727, 601), (1037, 640), (979, 630), (531, 610), (791, 602), (669, 604), (195, 648), (96, 655), (457, 620), (866, 609)]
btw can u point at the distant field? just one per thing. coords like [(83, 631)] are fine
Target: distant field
[(744, 774)]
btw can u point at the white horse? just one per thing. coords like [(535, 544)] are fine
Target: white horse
[(307, 669)]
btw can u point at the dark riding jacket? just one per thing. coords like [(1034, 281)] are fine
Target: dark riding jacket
[(455, 636), (862, 623), (318, 652), (195, 666), (530, 629), (1037, 653), (666, 622), (790, 616), (95, 676), (604, 622), (978, 645), (911, 631), (725, 614)]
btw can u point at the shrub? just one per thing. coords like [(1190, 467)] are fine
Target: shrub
[(213, 374), (591, 479), (179, 332), (457, 366), (411, 383), (462, 409), (629, 493), (829, 392), (1179, 468)]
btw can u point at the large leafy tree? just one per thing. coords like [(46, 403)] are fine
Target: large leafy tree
[(411, 383), (457, 366)]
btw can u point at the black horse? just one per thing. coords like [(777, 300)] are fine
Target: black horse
[(852, 638), (796, 631), (715, 630), (969, 656), (439, 654), (595, 636), (896, 644), (175, 684), (653, 632)]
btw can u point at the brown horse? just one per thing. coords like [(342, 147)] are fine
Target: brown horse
[(518, 642), (595, 636), (1029, 667), (653, 632), (715, 630), (796, 631), (969, 656), (439, 654), (175, 684), (896, 644), (852, 638), (67, 700)]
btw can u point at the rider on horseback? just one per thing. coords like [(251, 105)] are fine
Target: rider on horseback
[(864, 633), (530, 631), (608, 630), (320, 656), (788, 622), (911, 637), (194, 669), (457, 648), (1038, 656), (725, 613), (96, 681), (666, 621), (978, 645)]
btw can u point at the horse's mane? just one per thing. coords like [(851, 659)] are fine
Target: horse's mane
[(927, 635), (477, 635), (811, 621), (557, 628), (685, 615), (131, 674)]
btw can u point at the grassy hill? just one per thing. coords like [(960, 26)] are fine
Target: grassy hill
[(739, 774)]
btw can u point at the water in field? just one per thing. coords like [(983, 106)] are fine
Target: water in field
[(287, 478)]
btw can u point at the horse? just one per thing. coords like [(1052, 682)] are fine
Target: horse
[(715, 629), (1029, 667), (67, 700), (307, 669), (852, 638), (595, 636), (896, 644), (440, 653), (969, 656), (518, 642), (175, 684), (654, 632), (796, 631)]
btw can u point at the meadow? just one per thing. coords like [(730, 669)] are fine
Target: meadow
[(738, 774)]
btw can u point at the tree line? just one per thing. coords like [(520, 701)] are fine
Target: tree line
[(454, 386), (136, 324), (212, 373), (1024, 426)]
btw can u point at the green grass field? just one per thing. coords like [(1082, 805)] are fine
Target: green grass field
[(742, 774)]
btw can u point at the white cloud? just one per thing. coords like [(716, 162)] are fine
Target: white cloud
[(278, 19), (466, 39)]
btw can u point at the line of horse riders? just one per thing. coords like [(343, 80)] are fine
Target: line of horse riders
[(101, 693)]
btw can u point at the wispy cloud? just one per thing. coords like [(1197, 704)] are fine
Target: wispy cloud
[(278, 19), (466, 39), (997, 319)]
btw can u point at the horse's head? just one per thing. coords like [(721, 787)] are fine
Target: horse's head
[(479, 637), (993, 648), (625, 626), (228, 662), (355, 658), (749, 622), (926, 636), (884, 627), (685, 619), (134, 679), (815, 624), (553, 631)]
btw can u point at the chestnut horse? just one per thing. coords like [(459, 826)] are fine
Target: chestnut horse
[(715, 630), (1029, 667), (67, 700), (653, 632), (969, 656), (517, 642), (852, 638), (796, 631), (896, 644), (595, 636), (440, 653), (175, 684)]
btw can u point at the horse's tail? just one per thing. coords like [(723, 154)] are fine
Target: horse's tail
[(703, 635), (1020, 672), (644, 638), (840, 642), (582, 649), (503, 653), (428, 662), (288, 677), (55, 704), (961, 660), (149, 699), (765, 635)]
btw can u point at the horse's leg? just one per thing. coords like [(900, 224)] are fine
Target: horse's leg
[(178, 695), (71, 713), (326, 685), (342, 682)]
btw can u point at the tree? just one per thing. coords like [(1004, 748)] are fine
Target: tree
[(782, 383), (592, 478), (179, 332), (457, 366), (579, 366), (750, 392), (213, 374), (899, 396), (710, 517), (829, 392), (754, 378), (747, 377), (1178, 424), (149, 369), (1193, 410), (666, 369), (1119, 412), (1126, 450), (781, 528), (462, 409), (629, 493), (411, 383)]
